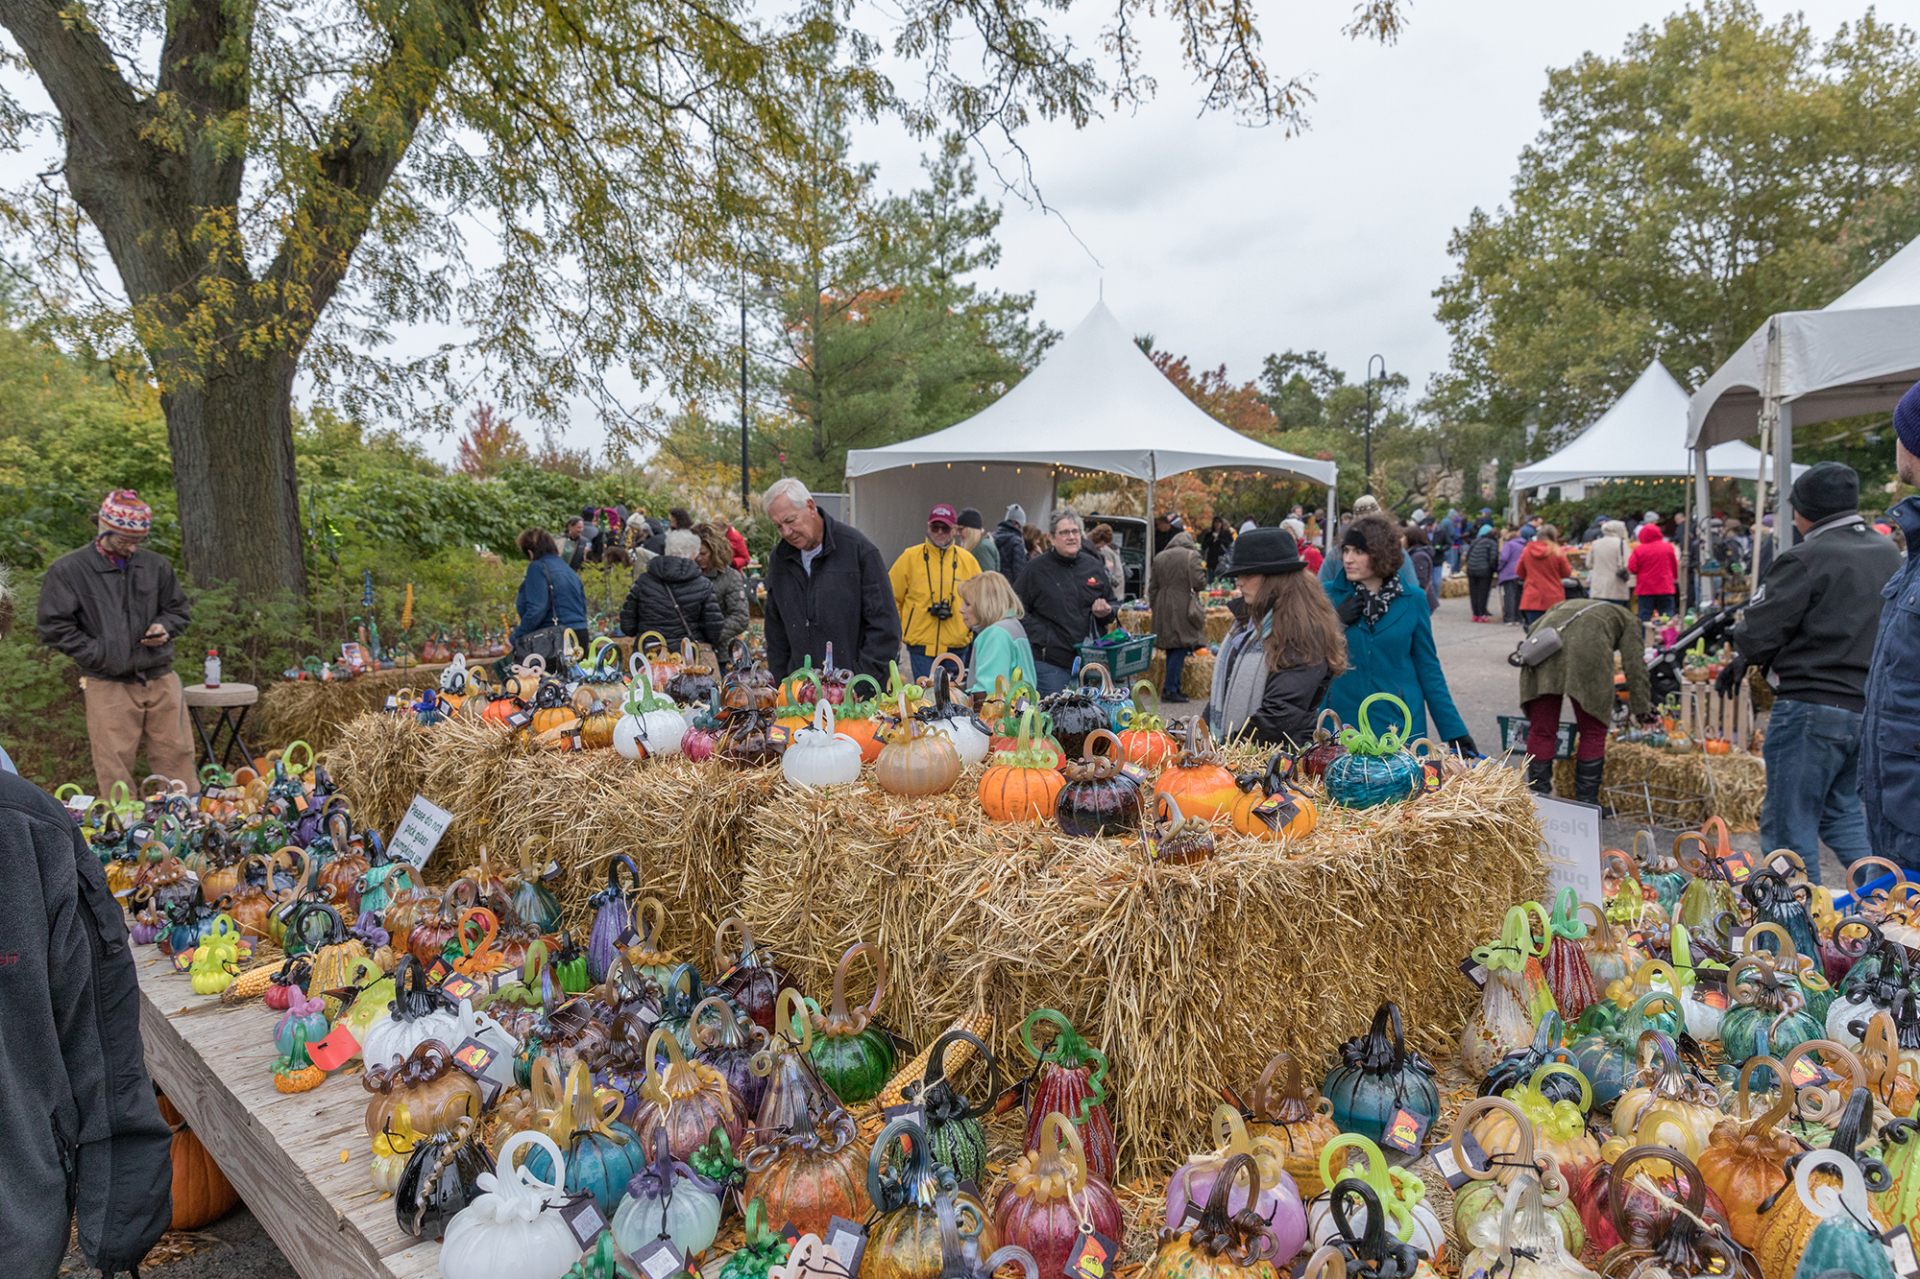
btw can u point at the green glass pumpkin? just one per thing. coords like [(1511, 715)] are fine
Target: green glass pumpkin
[(1769, 1018), (532, 902), (852, 1054), (1611, 1060), (764, 1249), (955, 1134), (570, 966)]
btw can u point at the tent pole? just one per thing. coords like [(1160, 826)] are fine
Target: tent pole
[(1786, 535), (1326, 534), (1769, 415), (1146, 578), (1702, 512)]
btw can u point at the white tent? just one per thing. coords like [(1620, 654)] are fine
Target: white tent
[(1096, 403), (1642, 435), (1858, 354)]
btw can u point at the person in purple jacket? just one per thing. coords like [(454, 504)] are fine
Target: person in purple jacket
[(1511, 544)]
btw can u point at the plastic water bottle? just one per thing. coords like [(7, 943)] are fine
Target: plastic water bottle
[(213, 668)]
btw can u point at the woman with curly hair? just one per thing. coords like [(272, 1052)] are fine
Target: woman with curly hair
[(1390, 646)]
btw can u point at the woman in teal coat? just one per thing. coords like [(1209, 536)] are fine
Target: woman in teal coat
[(1390, 645)]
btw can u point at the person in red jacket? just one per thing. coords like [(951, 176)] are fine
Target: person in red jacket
[(739, 545), (1541, 571), (1655, 566)]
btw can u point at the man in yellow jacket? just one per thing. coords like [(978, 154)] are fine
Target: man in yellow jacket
[(926, 590)]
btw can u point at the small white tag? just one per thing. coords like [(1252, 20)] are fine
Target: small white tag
[(658, 1260)]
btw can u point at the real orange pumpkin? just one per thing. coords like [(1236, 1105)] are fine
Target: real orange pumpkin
[(201, 1192), (1023, 784), (1199, 780)]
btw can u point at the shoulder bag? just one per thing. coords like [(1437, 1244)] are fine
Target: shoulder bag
[(550, 641), (1545, 641)]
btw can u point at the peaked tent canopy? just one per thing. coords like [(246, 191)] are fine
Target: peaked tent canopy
[(1857, 355), (1095, 403), (1643, 434)]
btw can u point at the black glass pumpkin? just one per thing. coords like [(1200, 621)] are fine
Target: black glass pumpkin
[(1076, 714), (442, 1176), (1098, 798), (955, 1135)]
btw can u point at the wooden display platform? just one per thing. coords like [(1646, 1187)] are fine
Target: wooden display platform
[(298, 1160)]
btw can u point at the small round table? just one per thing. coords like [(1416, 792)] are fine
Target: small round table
[(232, 701)]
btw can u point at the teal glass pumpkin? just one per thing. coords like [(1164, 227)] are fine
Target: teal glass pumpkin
[(955, 1135), (1845, 1240), (667, 1198), (602, 1154), (1661, 872), (1611, 1059), (680, 997), (532, 901), (851, 1053), (1379, 1076), (1769, 1018), (1775, 901)]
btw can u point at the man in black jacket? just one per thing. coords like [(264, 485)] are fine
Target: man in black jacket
[(826, 584), (1010, 539), (115, 607), (674, 598), (1067, 595), (84, 1133), (1813, 622)]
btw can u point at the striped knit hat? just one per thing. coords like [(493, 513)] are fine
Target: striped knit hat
[(123, 510)]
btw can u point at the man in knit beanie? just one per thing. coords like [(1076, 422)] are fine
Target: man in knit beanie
[(1890, 729), (115, 607)]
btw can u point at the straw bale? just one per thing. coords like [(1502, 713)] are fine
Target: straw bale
[(1733, 784), (1187, 977), (1454, 587), (380, 761), (1219, 622), (317, 712), (1196, 677)]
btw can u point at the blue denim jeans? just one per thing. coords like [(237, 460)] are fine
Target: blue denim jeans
[(1813, 769), (1050, 679), (1176, 663)]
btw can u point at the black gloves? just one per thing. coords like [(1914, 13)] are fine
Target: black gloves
[(1732, 677), (1463, 744)]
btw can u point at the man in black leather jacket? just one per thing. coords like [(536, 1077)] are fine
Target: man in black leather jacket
[(1067, 595)]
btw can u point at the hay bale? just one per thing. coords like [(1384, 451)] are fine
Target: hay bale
[(380, 762), (1219, 622), (1729, 786), (317, 712), (1187, 977), (1454, 587), (1196, 677)]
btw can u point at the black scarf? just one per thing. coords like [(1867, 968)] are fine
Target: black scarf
[(1368, 605)]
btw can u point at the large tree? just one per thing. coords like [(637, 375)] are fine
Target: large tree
[(278, 186), (1717, 171)]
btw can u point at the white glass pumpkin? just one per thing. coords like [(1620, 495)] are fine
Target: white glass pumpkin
[(1530, 1246), (691, 1215), (1402, 1196), (818, 756), (482, 1026), (512, 1231), (393, 1037), (454, 678), (652, 724)]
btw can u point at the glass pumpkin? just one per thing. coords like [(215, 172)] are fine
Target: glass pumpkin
[(1276, 1202), (1298, 1119), (1378, 1077), (1178, 840), (1769, 1017), (1609, 1059), (440, 1177), (1071, 1082), (1098, 798), (687, 1100), (1221, 1245), (906, 1242), (1143, 732), (954, 719), (955, 1134), (819, 756), (648, 919), (1048, 1193), (1528, 1243), (611, 911), (748, 978), (1376, 768), (1744, 1163), (729, 1043), (1569, 975), (1198, 779), (853, 1054), (795, 1093), (513, 1230), (1558, 1123), (915, 760), (602, 1153), (1401, 1195), (418, 1013), (650, 725), (1073, 713), (1664, 1080), (428, 1084), (811, 1171), (1270, 806), (1477, 1205), (1505, 1019), (1610, 956), (1023, 784), (762, 1248), (668, 1198)]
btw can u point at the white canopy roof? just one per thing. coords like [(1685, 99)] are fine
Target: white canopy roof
[(1857, 355), (1096, 403), (1643, 434)]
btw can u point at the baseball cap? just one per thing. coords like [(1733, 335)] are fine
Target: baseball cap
[(943, 514)]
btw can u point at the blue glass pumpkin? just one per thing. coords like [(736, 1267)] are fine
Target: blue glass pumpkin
[(1769, 1018), (1378, 1076), (1377, 769), (602, 1154), (1611, 1059), (1775, 901)]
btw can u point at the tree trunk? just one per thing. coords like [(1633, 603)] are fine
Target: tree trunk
[(232, 439)]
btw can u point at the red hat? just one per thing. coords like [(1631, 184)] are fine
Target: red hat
[(122, 509), (943, 514)]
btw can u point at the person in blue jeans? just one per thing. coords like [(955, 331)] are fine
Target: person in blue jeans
[(1813, 622), (1890, 730)]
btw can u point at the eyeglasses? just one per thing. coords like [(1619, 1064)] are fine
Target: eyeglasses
[(1068, 534)]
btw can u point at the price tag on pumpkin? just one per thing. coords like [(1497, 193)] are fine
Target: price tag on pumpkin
[(627, 938), (438, 973), (1474, 971), (459, 986), (1450, 1167), (336, 1050), (659, 1260), (1137, 775), (912, 1111), (1276, 810), (1404, 1131), (1806, 1073), (1092, 1256), (1711, 996), (490, 1068), (519, 719), (1900, 1252), (1739, 867), (586, 1221), (1782, 866), (393, 703), (849, 1240), (778, 736)]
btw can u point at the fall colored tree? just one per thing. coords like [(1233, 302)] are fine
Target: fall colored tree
[(489, 443)]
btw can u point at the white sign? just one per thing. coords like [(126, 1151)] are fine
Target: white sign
[(420, 831), (1571, 845)]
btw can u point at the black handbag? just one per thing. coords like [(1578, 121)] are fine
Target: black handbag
[(550, 641)]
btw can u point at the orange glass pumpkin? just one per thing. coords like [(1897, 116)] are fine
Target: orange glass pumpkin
[(1744, 1164), (1143, 735), (811, 1176), (857, 719), (1022, 784), (1253, 814), (1199, 779)]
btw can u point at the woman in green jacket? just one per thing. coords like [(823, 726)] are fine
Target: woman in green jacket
[(991, 610), (1591, 632)]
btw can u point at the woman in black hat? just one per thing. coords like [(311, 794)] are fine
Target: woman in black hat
[(1273, 668)]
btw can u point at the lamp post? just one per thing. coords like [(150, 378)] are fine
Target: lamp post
[(743, 399), (1383, 377)]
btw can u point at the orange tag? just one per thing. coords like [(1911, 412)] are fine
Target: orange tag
[(336, 1050)]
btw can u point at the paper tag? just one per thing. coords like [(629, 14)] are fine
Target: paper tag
[(1739, 867), (1900, 1251), (849, 1240), (1404, 1131), (1277, 810), (970, 1187), (910, 1110), (1474, 971), (778, 736), (80, 803), (1139, 776), (336, 1050), (490, 1068), (1711, 996), (393, 703), (790, 1233), (419, 832), (1092, 1254), (519, 719), (458, 986), (584, 1218), (626, 938), (658, 1260), (1232, 1098), (1806, 1073), (1781, 866), (438, 973), (1450, 1167)]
